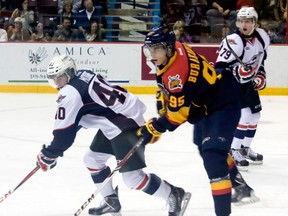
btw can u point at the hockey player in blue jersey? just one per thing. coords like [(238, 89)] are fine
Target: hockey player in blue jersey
[(191, 90), (88, 100), (248, 45)]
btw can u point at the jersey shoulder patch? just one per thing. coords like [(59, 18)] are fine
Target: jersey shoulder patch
[(236, 43)]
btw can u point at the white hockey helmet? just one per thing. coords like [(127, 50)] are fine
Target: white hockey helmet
[(60, 65), (247, 13)]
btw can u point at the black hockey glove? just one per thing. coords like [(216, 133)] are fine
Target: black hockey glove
[(160, 103), (46, 160), (150, 131)]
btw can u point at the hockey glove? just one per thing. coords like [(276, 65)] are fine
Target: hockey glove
[(243, 74), (46, 160), (259, 81), (150, 131), (160, 103)]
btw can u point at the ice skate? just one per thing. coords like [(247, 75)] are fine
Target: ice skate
[(178, 201), (240, 161), (243, 194), (253, 157), (110, 205)]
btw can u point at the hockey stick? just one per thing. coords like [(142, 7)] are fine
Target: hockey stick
[(245, 66), (109, 177), (22, 182)]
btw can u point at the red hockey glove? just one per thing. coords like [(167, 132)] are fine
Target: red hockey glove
[(259, 81), (46, 160), (160, 103), (243, 75), (150, 131)]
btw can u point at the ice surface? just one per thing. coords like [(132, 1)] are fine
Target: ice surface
[(26, 122)]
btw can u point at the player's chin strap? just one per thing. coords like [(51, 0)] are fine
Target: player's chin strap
[(245, 66)]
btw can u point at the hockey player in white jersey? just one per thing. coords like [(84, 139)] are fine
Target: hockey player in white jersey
[(87, 100), (245, 51)]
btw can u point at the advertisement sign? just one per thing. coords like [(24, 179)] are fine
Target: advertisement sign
[(28, 62)]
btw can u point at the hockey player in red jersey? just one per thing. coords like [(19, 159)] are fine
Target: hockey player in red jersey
[(87, 100), (249, 43), (191, 90)]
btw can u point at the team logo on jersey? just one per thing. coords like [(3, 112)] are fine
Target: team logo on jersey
[(254, 61), (60, 98), (174, 82), (232, 41)]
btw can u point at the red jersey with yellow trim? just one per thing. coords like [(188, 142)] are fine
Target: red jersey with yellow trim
[(192, 87)]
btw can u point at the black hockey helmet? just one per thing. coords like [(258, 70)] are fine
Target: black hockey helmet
[(161, 35)]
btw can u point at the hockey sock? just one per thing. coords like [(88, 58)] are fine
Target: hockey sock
[(98, 176)]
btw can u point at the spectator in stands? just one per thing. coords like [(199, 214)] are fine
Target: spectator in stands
[(266, 9), (6, 5), (67, 11), (102, 3), (18, 33), (179, 32), (195, 18), (279, 9), (259, 6), (9, 30), (88, 15), (3, 35), (221, 14), (26, 15), (93, 33), (76, 6), (174, 11), (66, 33), (242, 3), (40, 34), (283, 8)]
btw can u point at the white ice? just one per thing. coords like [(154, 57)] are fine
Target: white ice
[(26, 124)]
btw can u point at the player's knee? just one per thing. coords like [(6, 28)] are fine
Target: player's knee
[(215, 163), (246, 115), (135, 179), (95, 160), (255, 118)]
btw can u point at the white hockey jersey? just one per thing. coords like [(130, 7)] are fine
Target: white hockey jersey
[(252, 51), (88, 100)]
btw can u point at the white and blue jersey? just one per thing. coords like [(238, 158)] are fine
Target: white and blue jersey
[(88, 100), (252, 51)]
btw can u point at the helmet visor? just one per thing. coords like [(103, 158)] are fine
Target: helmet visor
[(57, 81), (154, 52)]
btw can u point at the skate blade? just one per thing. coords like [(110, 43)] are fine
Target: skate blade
[(116, 214), (185, 202), (243, 168), (255, 162), (247, 200)]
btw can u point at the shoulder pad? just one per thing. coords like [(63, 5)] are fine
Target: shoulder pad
[(235, 43), (265, 37)]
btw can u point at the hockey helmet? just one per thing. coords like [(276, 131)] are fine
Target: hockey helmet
[(59, 66), (247, 13), (161, 35)]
